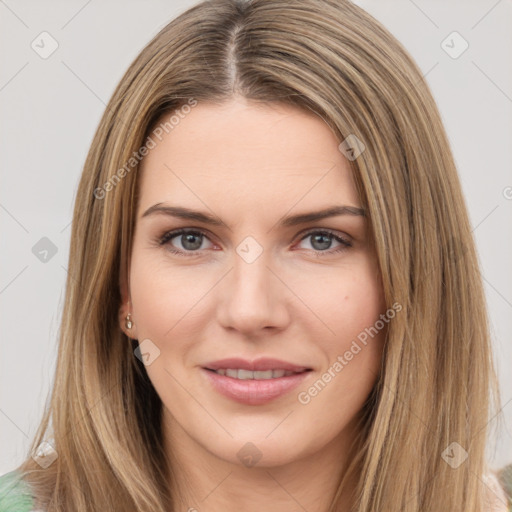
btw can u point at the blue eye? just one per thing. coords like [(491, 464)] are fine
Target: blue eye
[(325, 238), (191, 241)]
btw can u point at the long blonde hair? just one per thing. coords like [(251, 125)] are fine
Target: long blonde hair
[(437, 378)]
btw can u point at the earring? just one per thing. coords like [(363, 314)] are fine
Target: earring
[(128, 321)]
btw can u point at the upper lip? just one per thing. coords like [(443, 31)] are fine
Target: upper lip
[(261, 364)]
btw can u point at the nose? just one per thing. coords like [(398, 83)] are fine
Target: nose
[(252, 297)]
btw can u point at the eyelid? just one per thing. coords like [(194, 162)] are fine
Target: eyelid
[(173, 233), (333, 232)]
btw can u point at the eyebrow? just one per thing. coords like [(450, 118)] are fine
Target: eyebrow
[(293, 220)]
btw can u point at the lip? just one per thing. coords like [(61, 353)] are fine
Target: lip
[(249, 391), (253, 391), (261, 364)]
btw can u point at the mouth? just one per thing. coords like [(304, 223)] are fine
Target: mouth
[(241, 374), (256, 382)]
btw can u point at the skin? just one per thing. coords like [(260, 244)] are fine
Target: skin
[(250, 165)]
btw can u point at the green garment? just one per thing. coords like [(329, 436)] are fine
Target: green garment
[(15, 495)]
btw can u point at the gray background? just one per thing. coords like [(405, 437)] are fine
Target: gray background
[(50, 109)]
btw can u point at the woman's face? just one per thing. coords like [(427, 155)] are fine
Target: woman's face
[(260, 280)]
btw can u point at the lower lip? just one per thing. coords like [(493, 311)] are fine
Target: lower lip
[(251, 391)]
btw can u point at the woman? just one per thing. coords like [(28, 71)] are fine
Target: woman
[(273, 298)]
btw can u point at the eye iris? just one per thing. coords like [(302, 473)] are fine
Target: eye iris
[(326, 243), (189, 237)]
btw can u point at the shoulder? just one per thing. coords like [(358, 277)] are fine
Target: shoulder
[(499, 483), (15, 495)]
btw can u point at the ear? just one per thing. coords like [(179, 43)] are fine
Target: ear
[(125, 306), (124, 309)]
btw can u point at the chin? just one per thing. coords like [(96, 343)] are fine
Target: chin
[(260, 452)]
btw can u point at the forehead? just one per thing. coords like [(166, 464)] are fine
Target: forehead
[(246, 154)]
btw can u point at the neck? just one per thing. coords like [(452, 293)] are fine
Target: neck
[(202, 481)]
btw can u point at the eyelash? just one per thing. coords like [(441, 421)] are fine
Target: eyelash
[(169, 235)]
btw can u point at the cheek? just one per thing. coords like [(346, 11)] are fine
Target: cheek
[(346, 304), (352, 353), (352, 307), (163, 296)]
